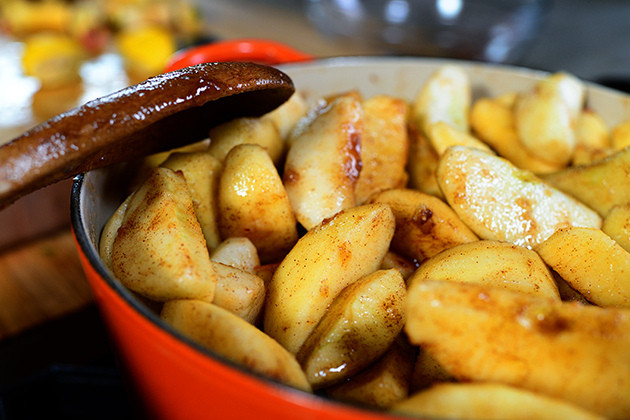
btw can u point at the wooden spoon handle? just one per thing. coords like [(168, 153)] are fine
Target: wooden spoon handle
[(161, 113)]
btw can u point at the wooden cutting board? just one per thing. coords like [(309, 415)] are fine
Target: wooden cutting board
[(40, 280)]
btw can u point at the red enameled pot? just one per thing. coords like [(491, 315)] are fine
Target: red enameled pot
[(176, 378)]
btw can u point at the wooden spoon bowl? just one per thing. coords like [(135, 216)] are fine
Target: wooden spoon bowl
[(161, 113)]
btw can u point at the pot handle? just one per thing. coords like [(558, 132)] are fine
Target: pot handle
[(257, 50)]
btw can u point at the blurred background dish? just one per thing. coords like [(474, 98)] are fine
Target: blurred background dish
[(485, 30), (59, 35)]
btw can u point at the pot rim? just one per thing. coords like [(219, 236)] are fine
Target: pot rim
[(82, 237)]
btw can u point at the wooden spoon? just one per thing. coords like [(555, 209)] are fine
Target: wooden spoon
[(161, 113)]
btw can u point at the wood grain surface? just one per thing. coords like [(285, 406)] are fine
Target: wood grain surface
[(40, 280)]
